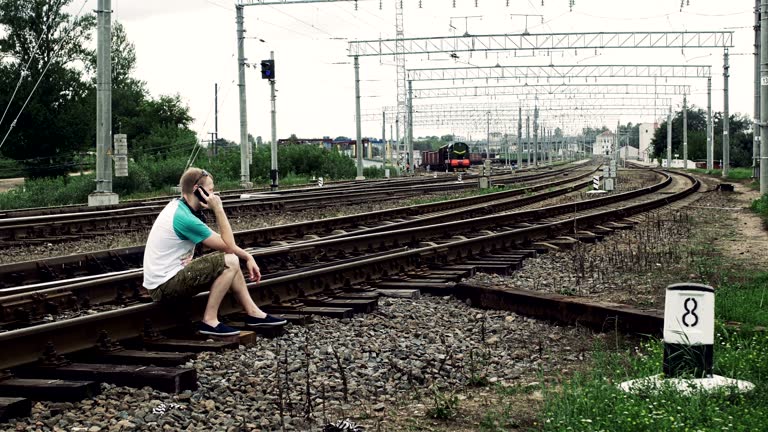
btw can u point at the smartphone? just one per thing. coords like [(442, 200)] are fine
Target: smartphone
[(201, 193)]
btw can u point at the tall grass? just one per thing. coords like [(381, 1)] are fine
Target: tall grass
[(591, 401), (733, 173)]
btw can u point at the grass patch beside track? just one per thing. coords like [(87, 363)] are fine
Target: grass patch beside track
[(591, 401), (733, 173)]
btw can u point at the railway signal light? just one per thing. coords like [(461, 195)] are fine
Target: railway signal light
[(268, 69)]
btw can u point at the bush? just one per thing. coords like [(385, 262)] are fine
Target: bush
[(46, 192), (156, 173), (9, 168), (138, 181)]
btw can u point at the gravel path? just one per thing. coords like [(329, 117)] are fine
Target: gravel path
[(404, 349)]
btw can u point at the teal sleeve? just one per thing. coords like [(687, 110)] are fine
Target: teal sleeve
[(188, 227)]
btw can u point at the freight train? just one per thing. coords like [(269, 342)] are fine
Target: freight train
[(450, 157)]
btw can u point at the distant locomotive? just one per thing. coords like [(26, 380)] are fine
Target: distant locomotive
[(452, 157)]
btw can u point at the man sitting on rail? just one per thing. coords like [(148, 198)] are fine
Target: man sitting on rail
[(170, 272)]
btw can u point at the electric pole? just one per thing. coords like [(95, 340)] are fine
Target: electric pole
[(103, 194)]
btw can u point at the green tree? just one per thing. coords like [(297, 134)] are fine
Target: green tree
[(38, 39), (739, 131)]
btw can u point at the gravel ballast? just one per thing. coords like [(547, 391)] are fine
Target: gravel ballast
[(387, 357)]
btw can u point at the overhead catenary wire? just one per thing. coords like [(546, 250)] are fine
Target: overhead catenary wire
[(42, 74), (25, 68)]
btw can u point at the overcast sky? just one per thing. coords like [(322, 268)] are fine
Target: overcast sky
[(185, 46)]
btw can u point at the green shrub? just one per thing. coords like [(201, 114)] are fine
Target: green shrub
[(155, 174), (446, 405), (138, 181), (9, 168), (44, 192)]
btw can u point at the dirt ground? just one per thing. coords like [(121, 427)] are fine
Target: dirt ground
[(749, 241), (8, 184)]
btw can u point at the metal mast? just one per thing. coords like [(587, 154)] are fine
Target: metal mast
[(726, 119), (756, 128), (400, 64), (103, 194), (764, 97), (245, 166), (519, 137)]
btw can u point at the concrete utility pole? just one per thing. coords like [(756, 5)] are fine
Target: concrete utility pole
[(519, 137), (215, 119), (410, 126), (103, 194), (358, 126), (245, 168), (685, 132), (756, 123), (669, 139), (398, 151), (384, 136), (626, 150), (488, 135), (535, 136), (726, 119), (616, 143), (528, 137), (710, 129), (764, 97), (273, 160)]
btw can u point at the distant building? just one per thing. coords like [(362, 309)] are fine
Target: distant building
[(628, 153), (604, 143), (646, 135)]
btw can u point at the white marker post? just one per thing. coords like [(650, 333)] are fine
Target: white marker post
[(596, 182), (689, 330), (689, 337), (320, 182)]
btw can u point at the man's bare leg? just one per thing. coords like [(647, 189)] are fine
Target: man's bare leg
[(219, 289), (240, 289), (232, 277)]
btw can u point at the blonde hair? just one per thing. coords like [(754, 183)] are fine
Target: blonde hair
[(191, 177)]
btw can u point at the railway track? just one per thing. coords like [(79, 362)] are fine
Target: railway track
[(288, 269), (88, 264), (340, 276), (24, 305), (52, 228)]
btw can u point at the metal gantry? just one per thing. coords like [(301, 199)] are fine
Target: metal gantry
[(483, 44), (543, 41), (551, 89), (559, 72)]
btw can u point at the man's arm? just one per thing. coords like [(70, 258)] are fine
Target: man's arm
[(225, 242)]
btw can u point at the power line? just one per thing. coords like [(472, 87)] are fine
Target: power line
[(50, 60), (24, 69)]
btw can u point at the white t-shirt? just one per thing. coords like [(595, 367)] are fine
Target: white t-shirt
[(171, 241)]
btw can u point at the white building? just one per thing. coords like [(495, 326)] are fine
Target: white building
[(604, 144), (628, 153), (646, 135)]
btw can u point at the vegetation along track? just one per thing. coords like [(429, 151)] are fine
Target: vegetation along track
[(330, 271), (51, 228)]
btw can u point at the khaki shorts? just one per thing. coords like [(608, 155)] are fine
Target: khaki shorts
[(196, 277)]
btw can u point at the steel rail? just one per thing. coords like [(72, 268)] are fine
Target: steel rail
[(26, 345), (80, 265), (125, 286), (275, 260)]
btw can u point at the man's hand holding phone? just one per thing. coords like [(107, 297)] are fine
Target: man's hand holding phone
[(208, 201)]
